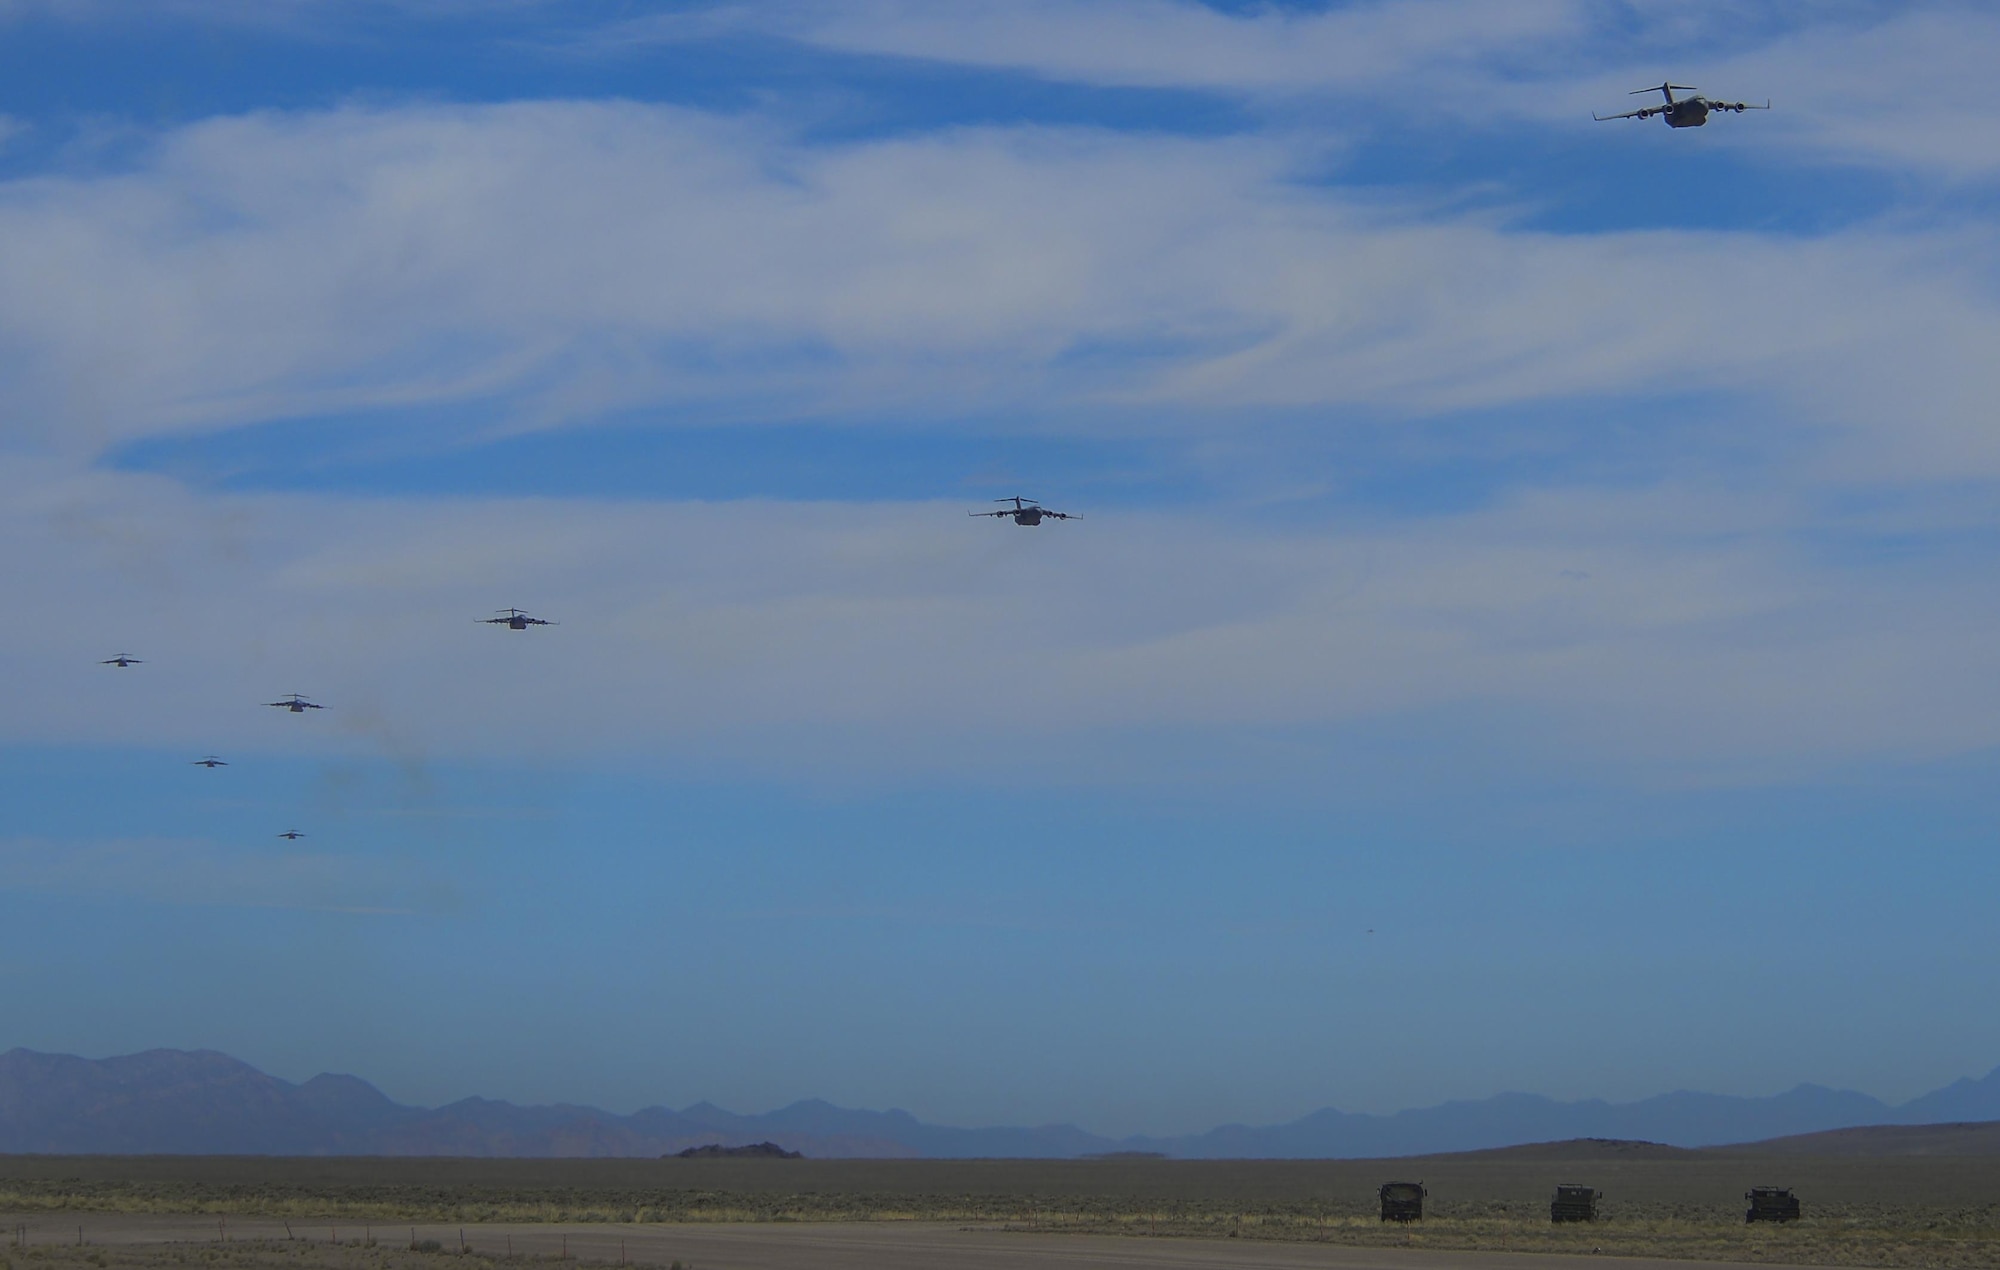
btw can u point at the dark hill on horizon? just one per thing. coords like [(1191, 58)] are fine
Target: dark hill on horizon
[(1573, 1149), (206, 1103), (1981, 1138), (1877, 1141), (755, 1151)]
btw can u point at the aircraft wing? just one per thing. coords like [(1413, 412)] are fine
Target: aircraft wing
[(1647, 113), (1738, 106)]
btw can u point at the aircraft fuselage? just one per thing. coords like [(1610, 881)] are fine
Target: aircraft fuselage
[(1692, 113)]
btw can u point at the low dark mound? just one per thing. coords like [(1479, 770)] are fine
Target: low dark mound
[(1125, 1155), (1583, 1149), (755, 1151)]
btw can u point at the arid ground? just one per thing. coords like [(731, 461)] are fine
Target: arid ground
[(134, 1243), (1490, 1210)]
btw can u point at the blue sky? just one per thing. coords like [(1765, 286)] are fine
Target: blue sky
[(1517, 552)]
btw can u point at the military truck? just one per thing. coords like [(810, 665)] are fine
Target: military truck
[(1771, 1203), (1403, 1201), (1574, 1203)]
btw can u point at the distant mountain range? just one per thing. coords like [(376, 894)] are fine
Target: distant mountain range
[(204, 1103)]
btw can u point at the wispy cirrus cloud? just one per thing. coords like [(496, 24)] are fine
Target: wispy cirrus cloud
[(1682, 629), (1889, 85), (1149, 43), (1910, 93), (1895, 86), (549, 263), (566, 260)]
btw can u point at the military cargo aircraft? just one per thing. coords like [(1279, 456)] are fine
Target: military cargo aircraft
[(514, 620), (1687, 112), (1025, 511)]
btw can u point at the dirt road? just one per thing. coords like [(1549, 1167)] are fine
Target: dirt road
[(805, 1246)]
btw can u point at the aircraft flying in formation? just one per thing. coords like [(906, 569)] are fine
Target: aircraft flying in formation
[(1025, 511), (121, 661), (1688, 112), (514, 620), (208, 761), (295, 703)]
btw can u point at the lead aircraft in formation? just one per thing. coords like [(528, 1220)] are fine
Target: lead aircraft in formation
[(1025, 511), (1687, 112)]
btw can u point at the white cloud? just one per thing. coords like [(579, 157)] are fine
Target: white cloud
[(1154, 43), (1901, 86), (1708, 635), (563, 260), (558, 260), (1913, 93)]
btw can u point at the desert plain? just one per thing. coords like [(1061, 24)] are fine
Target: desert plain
[(1486, 1211)]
